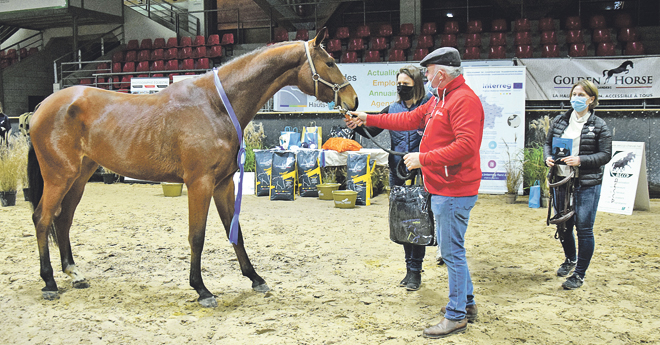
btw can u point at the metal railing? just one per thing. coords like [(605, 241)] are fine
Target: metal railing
[(36, 40), (171, 16)]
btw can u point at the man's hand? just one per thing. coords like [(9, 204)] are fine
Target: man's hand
[(412, 160)]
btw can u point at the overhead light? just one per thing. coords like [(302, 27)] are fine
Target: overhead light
[(450, 15)]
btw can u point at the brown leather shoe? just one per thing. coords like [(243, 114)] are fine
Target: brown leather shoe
[(445, 328), (470, 310)]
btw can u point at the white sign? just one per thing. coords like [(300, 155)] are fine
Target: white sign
[(176, 78), (625, 184), (502, 94), (616, 77), (20, 5), (148, 85)]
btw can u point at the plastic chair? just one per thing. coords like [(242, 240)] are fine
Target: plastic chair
[(497, 39), (158, 54), (129, 67), (280, 35), (172, 65), (349, 57), (550, 50), (605, 49), (573, 23), (424, 41), (133, 45), (342, 33), (420, 53), (11, 54), (473, 40), (498, 25), (577, 49), (214, 40), (522, 38), (601, 36), (186, 41), (524, 51), (144, 55), (143, 66), (116, 67), (22, 53), (146, 44), (102, 68), (474, 27), (548, 37), (32, 51), (203, 63), (497, 52), (634, 48), (199, 52), (522, 24), (385, 30), (627, 35), (451, 27), (372, 56), (574, 36), (401, 43), (215, 52), (188, 64), (227, 39), (185, 53), (125, 82), (334, 45), (406, 29), (597, 21), (302, 35), (623, 20), (85, 81), (159, 43), (131, 55), (171, 54), (377, 43), (363, 31), (472, 53), (546, 24), (118, 56), (396, 55), (448, 40), (199, 41), (158, 65), (356, 44), (172, 42), (429, 29)]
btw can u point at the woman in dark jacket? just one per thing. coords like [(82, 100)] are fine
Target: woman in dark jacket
[(5, 127), (592, 149), (411, 93)]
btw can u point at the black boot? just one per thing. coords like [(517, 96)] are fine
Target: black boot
[(405, 280), (415, 281)]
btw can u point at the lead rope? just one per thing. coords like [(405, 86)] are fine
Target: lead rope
[(561, 216), (240, 157)]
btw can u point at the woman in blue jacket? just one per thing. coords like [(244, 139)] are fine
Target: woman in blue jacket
[(411, 93)]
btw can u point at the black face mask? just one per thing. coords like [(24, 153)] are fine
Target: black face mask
[(405, 92)]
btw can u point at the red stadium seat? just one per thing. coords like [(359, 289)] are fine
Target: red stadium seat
[(146, 44), (372, 56), (227, 39), (188, 64), (420, 53), (396, 55), (627, 35), (363, 31), (133, 45), (451, 27), (185, 41), (158, 54), (33, 51), (342, 33), (215, 52), (144, 55), (203, 63), (185, 53), (116, 67), (385, 30), (497, 39), (125, 82), (601, 36), (334, 45), (472, 53), (546, 24), (524, 51), (474, 27), (448, 40), (280, 34), (634, 48), (597, 21), (522, 24), (172, 65), (377, 43), (172, 53), (129, 67), (302, 35), (401, 42), (349, 57), (158, 65), (429, 29), (102, 68), (143, 66), (473, 40), (605, 49), (550, 50), (118, 56), (172, 42), (623, 20), (11, 54), (214, 40), (22, 53), (573, 23), (499, 25), (522, 38), (131, 55), (574, 36), (142, 75), (406, 29), (356, 44), (199, 41), (548, 37), (199, 52), (159, 43), (497, 52), (157, 75), (577, 49), (85, 81), (425, 41)]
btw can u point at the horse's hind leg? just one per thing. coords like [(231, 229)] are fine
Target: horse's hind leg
[(224, 202), (63, 222)]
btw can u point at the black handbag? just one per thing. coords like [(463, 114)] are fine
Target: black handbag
[(411, 218)]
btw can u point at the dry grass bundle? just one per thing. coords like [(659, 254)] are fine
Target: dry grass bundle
[(13, 163), (253, 136)]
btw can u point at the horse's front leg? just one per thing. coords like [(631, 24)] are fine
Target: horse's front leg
[(224, 202), (199, 199)]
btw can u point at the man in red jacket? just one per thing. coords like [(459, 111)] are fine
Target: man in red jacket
[(449, 158)]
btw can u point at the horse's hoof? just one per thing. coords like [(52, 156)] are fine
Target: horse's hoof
[(261, 288), (50, 295), (208, 302), (81, 284)]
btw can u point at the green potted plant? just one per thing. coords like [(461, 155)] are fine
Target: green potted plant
[(11, 163), (534, 169), (513, 167)]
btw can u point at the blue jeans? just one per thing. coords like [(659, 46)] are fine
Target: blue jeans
[(451, 222), (586, 205)]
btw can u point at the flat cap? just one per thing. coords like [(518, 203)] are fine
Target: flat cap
[(446, 56)]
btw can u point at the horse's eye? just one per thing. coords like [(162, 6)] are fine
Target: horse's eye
[(330, 64)]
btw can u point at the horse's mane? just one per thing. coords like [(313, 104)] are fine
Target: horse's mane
[(260, 50)]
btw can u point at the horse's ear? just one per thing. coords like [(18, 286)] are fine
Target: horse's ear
[(320, 36)]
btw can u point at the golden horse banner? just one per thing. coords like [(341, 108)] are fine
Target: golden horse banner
[(617, 77)]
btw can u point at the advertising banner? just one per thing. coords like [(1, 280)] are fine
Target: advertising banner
[(616, 77), (148, 85), (625, 184)]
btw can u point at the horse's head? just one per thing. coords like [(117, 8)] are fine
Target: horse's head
[(323, 79)]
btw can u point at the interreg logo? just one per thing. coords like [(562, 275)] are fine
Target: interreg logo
[(513, 86)]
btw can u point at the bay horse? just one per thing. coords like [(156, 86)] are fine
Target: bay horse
[(181, 134)]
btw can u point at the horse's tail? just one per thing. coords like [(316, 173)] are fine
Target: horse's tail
[(36, 181)]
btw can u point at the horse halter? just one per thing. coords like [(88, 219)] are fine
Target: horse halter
[(316, 77)]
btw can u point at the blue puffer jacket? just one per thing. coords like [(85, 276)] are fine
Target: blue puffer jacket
[(401, 141)]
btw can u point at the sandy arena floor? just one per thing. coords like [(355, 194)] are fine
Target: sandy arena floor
[(333, 275)]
